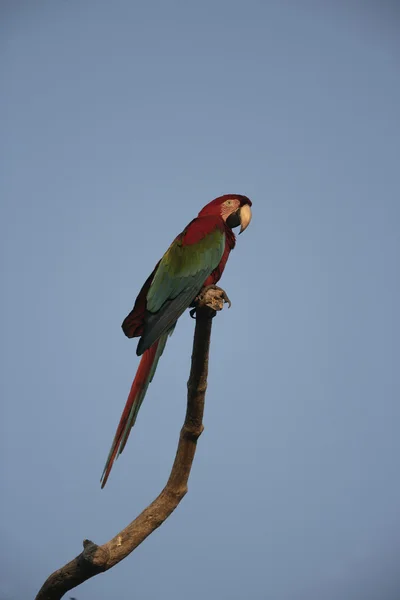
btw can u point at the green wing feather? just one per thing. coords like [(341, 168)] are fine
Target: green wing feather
[(177, 281)]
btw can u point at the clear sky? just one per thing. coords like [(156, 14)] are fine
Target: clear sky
[(120, 120)]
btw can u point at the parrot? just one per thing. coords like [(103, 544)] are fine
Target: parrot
[(195, 260)]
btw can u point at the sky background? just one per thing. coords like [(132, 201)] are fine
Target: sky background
[(120, 121)]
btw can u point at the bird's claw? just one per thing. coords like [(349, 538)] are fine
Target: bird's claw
[(214, 301), (226, 298), (222, 292)]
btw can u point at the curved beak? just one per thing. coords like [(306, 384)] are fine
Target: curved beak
[(245, 217)]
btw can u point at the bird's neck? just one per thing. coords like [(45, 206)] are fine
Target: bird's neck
[(230, 237)]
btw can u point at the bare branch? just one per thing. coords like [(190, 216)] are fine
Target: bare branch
[(97, 559)]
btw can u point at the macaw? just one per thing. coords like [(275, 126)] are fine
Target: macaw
[(195, 260)]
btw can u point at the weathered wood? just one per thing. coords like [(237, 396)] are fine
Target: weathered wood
[(96, 559)]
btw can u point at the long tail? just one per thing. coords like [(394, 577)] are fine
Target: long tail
[(143, 377)]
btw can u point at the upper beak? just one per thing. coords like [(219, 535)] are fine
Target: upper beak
[(245, 217)]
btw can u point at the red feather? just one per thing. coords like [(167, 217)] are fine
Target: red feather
[(138, 383), (208, 219)]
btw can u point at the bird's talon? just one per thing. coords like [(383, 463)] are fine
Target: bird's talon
[(226, 299), (214, 301)]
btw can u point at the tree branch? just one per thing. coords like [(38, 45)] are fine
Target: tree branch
[(96, 559)]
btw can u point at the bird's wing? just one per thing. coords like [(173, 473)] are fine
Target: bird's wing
[(180, 275)]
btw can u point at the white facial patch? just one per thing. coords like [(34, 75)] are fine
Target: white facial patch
[(229, 207)]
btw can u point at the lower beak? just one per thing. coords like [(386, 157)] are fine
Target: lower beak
[(245, 217)]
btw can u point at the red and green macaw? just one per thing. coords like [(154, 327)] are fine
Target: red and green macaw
[(194, 260)]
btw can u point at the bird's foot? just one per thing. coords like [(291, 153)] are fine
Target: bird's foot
[(212, 297), (217, 295)]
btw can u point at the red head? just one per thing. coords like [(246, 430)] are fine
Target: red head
[(234, 209)]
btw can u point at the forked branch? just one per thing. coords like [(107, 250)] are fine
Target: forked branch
[(96, 559)]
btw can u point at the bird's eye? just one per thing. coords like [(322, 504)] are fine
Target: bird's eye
[(228, 202)]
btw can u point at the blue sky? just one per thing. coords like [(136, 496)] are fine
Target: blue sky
[(120, 121)]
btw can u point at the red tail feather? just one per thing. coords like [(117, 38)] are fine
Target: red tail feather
[(138, 383)]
